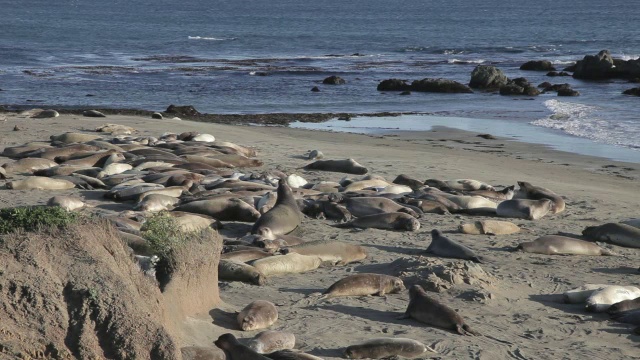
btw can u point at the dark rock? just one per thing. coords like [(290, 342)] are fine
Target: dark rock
[(393, 85), (538, 65), (557, 87), (568, 92), (315, 89), (334, 80), (346, 117), (626, 69), (405, 93), (89, 95), (261, 73), (634, 80), (487, 77), (157, 115), (17, 128), (440, 86), (186, 110), (93, 113), (594, 67), (511, 89), (487, 136), (556, 73), (634, 92), (570, 68), (544, 85), (519, 86)]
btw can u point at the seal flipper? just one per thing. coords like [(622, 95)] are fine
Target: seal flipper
[(404, 316), (467, 330), (476, 259)]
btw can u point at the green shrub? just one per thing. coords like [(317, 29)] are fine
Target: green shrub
[(31, 218), (163, 234)]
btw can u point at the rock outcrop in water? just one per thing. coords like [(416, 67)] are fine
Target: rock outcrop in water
[(519, 86), (334, 80), (538, 65), (604, 66), (424, 85), (488, 77), (633, 91)]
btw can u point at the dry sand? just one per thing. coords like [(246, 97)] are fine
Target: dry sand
[(519, 314)]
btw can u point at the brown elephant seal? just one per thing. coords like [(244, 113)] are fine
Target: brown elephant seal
[(260, 314), (426, 206), (363, 285), (291, 355), (504, 194), (28, 165), (68, 203), (234, 350), (614, 233), (40, 183), (385, 221), (238, 160), (271, 340), (3, 173), (632, 222), (223, 209), (348, 166), (524, 208), (232, 270), (432, 312), (363, 206), (382, 348), (600, 300), (332, 251), (245, 255), (489, 227), (623, 306), (403, 179), (562, 245), (71, 137), (291, 263), (314, 154), (156, 202), (539, 193), (444, 247), (285, 215)]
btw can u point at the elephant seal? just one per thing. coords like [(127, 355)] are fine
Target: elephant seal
[(467, 185), (524, 208), (245, 255), (365, 184), (403, 179), (3, 173), (442, 246), (489, 227), (363, 285), (632, 222), (40, 183), (271, 340), (266, 202), (259, 314), (614, 233), (602, 299), (363, 206), (285, 215), (382, 348), (385, 221), (223, 209), (539, 193), (232, 270), (348, 166), (291, 355), (71, 137), (432, 312), (48, 113), (582, 293), (68, 203), (291, 263), (332, 251), (156, 202), (315, 154), (624, 305), (628, 317), (562, 245), (28, 165), (233, 350), (470, 202)]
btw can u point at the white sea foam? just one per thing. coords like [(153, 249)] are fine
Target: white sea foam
[(460, 61), (208, 38), (628, 57), (584, 121)]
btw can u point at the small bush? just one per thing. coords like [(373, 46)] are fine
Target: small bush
[(31, 218), (163, 234)]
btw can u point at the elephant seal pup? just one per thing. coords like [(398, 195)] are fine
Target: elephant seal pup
[(232, 270), (285, 215), (68, 203), (266, 233), (382, 348), (156, 202), (223, 209), (504, 194), (363, 285), (363, 206), (348, 166), (624, 305), (562, 245), (332, 251), (71, 137), (40, 183), (582, 293), (245, 255), (291, 355), (233, 350), (467, 185), (403, 179), (260, 314), (618, 234), (432, 312), (271, 340), (385, 221), (442, 246), (28, 165), (539, 193), (489, 227), (286, 264), (524, 208), (602, 299)]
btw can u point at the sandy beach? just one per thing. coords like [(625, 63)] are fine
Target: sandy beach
[(516, 305)]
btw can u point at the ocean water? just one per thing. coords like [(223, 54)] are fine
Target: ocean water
[(255, 56)]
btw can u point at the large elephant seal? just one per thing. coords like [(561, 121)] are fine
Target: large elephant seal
[(156, 202), (614, 233), (291, 355), (364, 285), (232, 270), (291, 263), (504, 194), (562, 245), (68, 203), (432, 312), (524, 208), (348, 166), (625, 305), (245, 255), (582, 293), (259, 314), (363, 206), (489, 227), (285, 215), (385, 221), (403, 179), (539, 193), (337, 252), (629, 317), (632, 222), (28, 165), (40, 183), (270, 341), (223, 209), (442, 246), (602, 299), (467, 185), (233, 350), (382, 348)]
